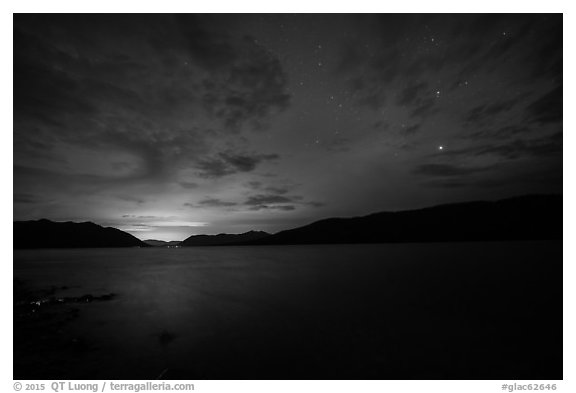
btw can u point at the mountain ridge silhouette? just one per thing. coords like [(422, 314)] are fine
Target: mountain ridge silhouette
[(529, 217), (45, 233)]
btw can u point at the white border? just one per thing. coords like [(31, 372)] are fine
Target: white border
[(298, 6)]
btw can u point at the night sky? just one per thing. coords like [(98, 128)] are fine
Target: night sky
[(171, 125)]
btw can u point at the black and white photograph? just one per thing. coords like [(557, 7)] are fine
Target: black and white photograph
[(288, 196)]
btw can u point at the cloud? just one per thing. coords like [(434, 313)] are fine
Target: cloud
[(131, 198), (519, 148), (160, 87), (455, 176), (258, 200), (246, 83), (211, 202), (277, 200), (550, 145), (374, 100), (207, 49), (548, 108), (271, 202), (274, 207), (505, 132), (447, 170), (228, 163), (188, 185), (277, 190), (251, 91), (486, 113), (412, 129), (412, 93), (419, 98), (529, 179), (274, 198), (339, 144), (412, 57), (212, 168), (25, 198), (140, 217), (246, 163), (273, 189), (167, 109), (448, 183)]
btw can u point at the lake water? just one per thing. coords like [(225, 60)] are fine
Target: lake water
[(388, 311)]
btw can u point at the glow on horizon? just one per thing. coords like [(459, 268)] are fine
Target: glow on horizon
[(162, 230)]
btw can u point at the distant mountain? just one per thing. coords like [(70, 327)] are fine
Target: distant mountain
[(223, 239), (161, 243), (536, 217), (50, 234)]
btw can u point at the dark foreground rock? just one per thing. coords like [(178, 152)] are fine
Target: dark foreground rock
[(41, 318)]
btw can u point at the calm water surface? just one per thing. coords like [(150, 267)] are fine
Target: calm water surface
[(335, 311)]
